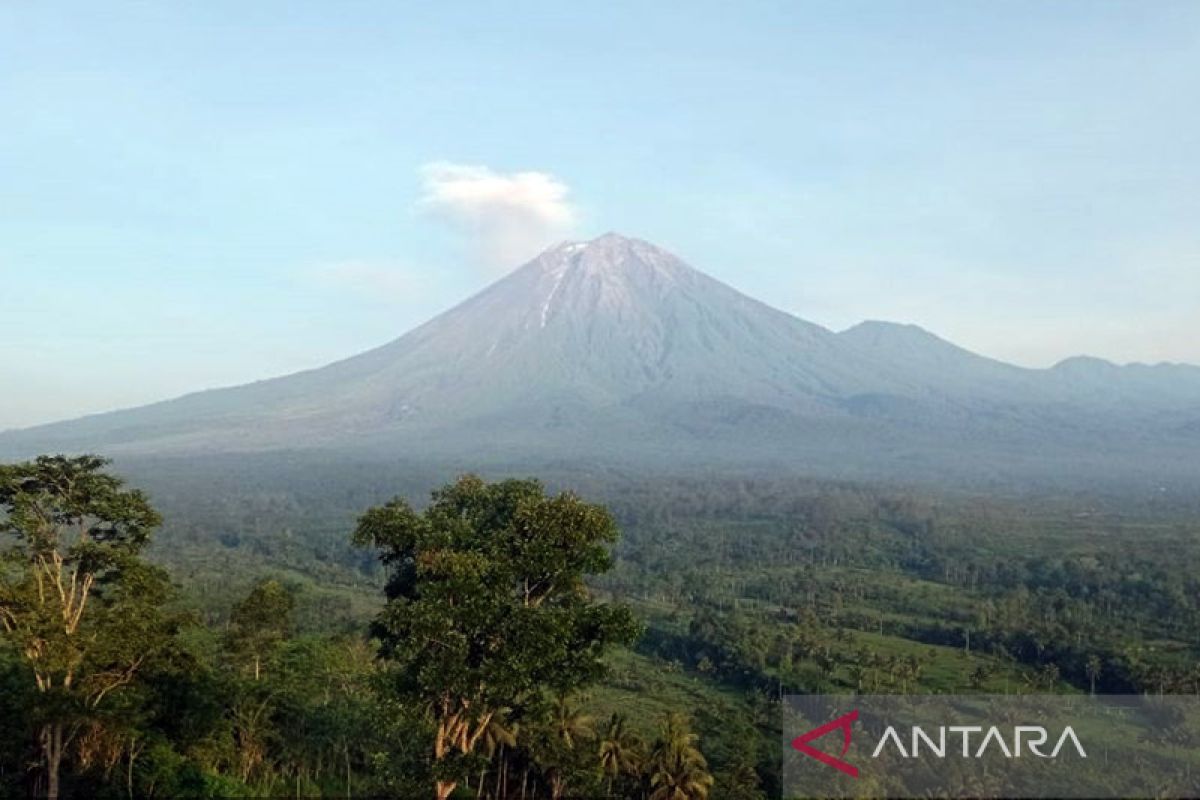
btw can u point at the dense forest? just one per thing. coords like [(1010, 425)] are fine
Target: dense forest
[(267, 629)]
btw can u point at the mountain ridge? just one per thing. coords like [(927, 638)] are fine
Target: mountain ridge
[(616, 346)]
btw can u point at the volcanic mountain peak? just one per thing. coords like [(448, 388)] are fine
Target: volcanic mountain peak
[(614, 345), (611, 264), (606, 280), (609, 253)]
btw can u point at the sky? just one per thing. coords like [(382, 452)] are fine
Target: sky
[(202, 194)]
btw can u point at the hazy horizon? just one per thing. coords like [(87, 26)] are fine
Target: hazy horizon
[(205, 196)]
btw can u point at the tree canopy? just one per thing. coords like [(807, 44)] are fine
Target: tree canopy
[(75, 600), (487, 607)]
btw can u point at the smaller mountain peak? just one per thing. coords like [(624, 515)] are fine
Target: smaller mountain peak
[(875, 329), (885, 325), (1084, 364)]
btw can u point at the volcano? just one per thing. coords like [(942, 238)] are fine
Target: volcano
[(614, 349)]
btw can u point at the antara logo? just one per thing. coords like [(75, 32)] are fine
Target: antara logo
[(1030, 738), (1033, 737), (843, 724)]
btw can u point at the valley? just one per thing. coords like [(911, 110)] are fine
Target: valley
[(755, 587)]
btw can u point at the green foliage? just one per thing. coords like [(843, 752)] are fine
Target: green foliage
[(75, 602), (258, 678), (487, 607), (678, 770), (622, 753), (259, 623)]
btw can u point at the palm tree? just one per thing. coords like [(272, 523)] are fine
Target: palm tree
[(570, 724), (567, 727), (678, 770), (618, 751), (858, 675), (496, 736), (1093, 670)]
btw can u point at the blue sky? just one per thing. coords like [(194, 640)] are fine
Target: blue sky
[(200, 194)]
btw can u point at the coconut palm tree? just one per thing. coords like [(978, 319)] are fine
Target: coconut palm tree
[(619, 751), (496, 736), (566, 728), (678, 770), (570, 724), (1092, 668)]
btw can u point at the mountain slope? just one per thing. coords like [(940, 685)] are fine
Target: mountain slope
[(614, 346)]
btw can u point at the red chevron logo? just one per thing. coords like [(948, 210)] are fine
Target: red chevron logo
[(842, 723)]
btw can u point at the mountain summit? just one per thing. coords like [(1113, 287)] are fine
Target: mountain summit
[(616, 349)]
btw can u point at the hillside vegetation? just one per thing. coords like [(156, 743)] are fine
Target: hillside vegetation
[(265, 675)]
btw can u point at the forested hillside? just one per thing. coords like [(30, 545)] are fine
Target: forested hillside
[(262, 642)]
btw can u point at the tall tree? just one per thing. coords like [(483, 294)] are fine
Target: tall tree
[(559, 753), (620, 752), (259, 623), (75, 600), (678, 770), (1092, 668), (487, 607)]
